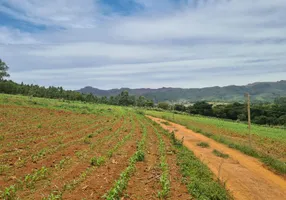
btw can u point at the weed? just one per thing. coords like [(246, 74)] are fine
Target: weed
[(220, 154), (203, 144)]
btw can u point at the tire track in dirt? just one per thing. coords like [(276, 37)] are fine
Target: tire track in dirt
[(245, 176)]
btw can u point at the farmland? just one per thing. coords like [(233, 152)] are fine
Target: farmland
[(54, 149), (267, 144)]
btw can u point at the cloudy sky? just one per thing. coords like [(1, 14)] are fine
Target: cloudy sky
[(143, 43)]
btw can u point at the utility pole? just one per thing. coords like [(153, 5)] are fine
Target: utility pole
[(173, 110), (249, 117)]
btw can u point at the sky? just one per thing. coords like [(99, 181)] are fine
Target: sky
[(143, 43)]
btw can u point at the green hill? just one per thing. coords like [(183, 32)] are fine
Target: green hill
[(261, 91)]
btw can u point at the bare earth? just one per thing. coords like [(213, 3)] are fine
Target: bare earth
[(245, 176)]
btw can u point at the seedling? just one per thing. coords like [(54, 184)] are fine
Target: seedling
[(2, 137), (55, 195), (97, 161), (37, 175), (9, 193)]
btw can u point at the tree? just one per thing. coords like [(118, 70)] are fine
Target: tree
[(202, 108), (163, 105), (141, 101), (180, 107), (3, 70)]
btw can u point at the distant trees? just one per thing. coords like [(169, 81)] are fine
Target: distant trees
[(163, 105), (180, 107), (201, 108), (123, 99), (3, 70), (262, 113)]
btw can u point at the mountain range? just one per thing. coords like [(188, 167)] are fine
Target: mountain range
[(259, 91)]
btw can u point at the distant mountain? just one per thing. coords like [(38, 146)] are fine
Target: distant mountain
[(261, 91)]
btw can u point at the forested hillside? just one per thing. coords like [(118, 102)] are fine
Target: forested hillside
[(260, 92)]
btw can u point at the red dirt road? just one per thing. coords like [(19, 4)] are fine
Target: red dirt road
[(245, 176)]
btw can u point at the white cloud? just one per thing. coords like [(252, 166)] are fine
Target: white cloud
[(182, 47)]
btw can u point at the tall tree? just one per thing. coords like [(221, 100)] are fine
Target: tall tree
[(3, 70)]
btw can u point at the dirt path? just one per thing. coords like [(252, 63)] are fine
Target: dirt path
[(245, 176)]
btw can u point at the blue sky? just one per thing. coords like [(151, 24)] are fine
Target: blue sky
[(143, 43)]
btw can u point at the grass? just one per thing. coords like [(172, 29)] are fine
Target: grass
[(220, 154), (196, 175), (203, 144), (266, 138)]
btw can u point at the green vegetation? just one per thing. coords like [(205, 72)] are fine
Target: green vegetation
[(203, 144), (97, 161), (273, 114), (123, 99), (271, 141), (197, 176), (89, 154), (220, 154), (9, 193), (55, 195), (164, 179), (30, 179), (260, 92), (166, 123), (120, 185), (3, 70)]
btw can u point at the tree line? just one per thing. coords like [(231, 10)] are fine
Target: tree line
[(261, 113), (123, 99)]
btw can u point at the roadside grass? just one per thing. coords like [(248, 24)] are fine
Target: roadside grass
[(203, 144), (271, 162), (196, 175), (220, 154)]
